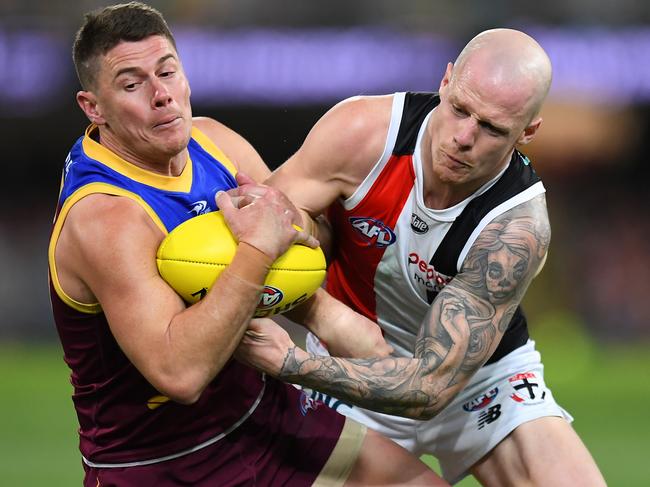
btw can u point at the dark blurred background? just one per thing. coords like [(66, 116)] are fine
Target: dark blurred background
[(270, 69)]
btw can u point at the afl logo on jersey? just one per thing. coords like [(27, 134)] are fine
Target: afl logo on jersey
[(418, 225), (375, 232)]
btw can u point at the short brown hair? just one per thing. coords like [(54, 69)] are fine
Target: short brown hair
[(105, 28)]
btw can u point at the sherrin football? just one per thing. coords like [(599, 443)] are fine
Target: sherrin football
[(194, 253)]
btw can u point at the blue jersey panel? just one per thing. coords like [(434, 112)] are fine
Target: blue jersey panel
[(172, 207)]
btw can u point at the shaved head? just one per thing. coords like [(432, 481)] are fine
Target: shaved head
[(511, 61)]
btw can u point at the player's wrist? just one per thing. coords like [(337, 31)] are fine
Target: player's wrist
[(250, 263), (272, 249)]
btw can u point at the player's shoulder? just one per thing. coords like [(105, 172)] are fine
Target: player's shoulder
[(210, 127), (354, 130), (525, 226), (363, 113), (104, 218), (533, 210)]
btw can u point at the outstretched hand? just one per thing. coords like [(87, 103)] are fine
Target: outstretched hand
[(262, 217), (265, 346)]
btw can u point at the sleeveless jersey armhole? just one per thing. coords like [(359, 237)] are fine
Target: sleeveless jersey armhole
[(391, 138), (92, 188)]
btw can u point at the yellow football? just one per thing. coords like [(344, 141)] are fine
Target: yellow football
[(194, 253)]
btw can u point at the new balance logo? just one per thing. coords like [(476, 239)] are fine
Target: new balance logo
[(489, 416)]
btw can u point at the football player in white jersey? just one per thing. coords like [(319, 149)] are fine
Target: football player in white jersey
[(435, 394)]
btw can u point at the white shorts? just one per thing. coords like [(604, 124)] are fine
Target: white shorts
[(500, 397)]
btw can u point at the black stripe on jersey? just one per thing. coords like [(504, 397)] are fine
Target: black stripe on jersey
[(518, 177), (416, 107)]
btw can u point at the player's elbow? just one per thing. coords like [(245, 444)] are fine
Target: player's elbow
[(437, 402), (432, 401), (426, 413), (183, 390), (186, 396)]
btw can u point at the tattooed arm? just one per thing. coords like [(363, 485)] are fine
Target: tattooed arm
[(462, 329)]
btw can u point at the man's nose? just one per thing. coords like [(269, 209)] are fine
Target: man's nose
[(161, 95), (465, 135)]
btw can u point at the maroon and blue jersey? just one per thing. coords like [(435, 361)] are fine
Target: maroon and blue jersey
[(123, 420)]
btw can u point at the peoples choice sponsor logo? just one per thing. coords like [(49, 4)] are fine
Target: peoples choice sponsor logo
[(375, 232), (418, 225), (526, 389), (270, 297), (481, 401), (199, 207), (425, 274)]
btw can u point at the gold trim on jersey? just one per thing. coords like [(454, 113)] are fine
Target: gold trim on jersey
[(91, 188), (95, 150), (181, 183), (211, 148)]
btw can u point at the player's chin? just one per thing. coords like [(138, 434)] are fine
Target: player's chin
[(454, 176), (173, 142)]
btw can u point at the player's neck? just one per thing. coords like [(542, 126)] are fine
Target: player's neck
[(438, 194), (167, 166)]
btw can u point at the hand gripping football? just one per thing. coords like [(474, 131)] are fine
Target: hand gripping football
[(193, 254)]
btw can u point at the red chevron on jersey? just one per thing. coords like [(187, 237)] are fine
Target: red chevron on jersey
[(368, 226)]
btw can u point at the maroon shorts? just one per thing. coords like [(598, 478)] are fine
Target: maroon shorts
[(286, 441)]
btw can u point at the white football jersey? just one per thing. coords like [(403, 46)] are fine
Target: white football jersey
[(392, 253)]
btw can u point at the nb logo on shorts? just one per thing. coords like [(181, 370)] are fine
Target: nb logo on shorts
[(489, 416)]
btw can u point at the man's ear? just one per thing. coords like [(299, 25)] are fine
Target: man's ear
[(529, 132), (88, 103), (447, 77)]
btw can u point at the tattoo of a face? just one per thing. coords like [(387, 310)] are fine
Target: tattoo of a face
[(459, 333)]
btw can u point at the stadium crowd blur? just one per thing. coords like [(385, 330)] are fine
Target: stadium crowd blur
[(270, 69)]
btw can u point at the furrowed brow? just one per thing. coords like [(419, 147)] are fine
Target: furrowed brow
[(134, 69)]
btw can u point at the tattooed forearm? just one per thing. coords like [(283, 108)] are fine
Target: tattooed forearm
[(461, 330), (389, 385)]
